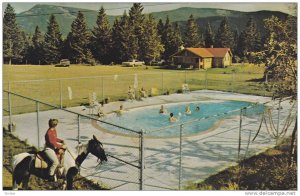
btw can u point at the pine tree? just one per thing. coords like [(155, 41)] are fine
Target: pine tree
[(101, 39), (52, 42), (160, 28), (167, 37), (209, 36), (224, 37), (122, 37), (177, 38), (116, 42), (192, 38), (250, 40), (26, 50), (151, 47), (13, 41), (36, 49), (136, 20), (79, 41)]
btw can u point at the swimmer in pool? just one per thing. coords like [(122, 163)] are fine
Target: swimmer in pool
[(188, 110), (172, 118), (197, 109)]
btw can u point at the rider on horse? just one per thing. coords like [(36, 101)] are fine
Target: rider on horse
[(53, 146)]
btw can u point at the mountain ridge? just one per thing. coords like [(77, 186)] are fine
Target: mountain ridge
[(40, 13)]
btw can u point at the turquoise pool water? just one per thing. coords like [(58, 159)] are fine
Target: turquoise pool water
[(149, 119)]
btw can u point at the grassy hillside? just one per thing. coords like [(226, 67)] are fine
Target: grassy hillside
[(12, 146), (266, 171)]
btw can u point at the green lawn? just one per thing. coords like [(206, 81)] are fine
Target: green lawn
[(50, 83)]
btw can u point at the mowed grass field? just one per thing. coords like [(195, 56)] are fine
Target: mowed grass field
[(73, 86)]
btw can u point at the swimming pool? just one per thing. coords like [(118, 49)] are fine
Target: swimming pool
[(150, 120)]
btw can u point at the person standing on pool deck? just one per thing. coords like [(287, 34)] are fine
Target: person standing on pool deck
[(162, 110), (120, 111)]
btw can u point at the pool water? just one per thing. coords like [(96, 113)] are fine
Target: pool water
[(149, 119)]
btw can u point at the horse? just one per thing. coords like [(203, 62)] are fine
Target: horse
[(23, 164)]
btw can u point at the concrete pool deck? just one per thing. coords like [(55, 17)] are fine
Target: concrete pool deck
[(202, 154)]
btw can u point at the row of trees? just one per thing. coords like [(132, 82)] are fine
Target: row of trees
[(133, 36)]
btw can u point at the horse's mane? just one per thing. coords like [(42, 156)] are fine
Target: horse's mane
[(80, 148)]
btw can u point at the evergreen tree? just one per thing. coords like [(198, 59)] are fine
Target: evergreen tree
[(192, 38), (236, 39), (13, 41), (209, 37), (121, 39), (160, 28), (101, 39), (177, 38), (116, 42), (26, 50), (250, 40), (53, 42), (36, 49), (136, 20), (224, 37), (167, 37), (151, 47), (79, 41)]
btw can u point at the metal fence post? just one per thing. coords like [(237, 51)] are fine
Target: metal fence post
[(180, 157), (206, 79), (61, 96), (38, 122), (141, 159), (185, 76), (232, 80), (278, 120), (162, 83), (240, 134), (10, 112), (78, 124), (102, 88)]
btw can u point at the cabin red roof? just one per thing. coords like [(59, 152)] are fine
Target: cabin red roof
[(208, 52)]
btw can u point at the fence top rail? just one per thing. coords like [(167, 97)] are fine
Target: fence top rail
[(106, 76), (66, 110), (90, 77)]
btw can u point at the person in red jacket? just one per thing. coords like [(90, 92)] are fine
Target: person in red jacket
[(53, 146)]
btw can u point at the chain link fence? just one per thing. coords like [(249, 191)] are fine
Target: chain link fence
[(75, 128), (67, 92), (146, 159)]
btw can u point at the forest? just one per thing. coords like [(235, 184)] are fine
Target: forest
[(132, 36)]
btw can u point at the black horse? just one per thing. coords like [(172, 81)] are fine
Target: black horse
[(24, 164)]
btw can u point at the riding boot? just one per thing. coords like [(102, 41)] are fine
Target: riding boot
[(52, 178)]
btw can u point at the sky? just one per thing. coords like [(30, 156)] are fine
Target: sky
[(117, 8)]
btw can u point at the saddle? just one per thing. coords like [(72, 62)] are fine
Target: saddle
[(42, 162)]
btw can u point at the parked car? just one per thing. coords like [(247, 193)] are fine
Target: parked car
[(63, 63), (160, 62), (133, 63)]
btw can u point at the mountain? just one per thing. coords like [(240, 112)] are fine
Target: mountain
[(39, 15), (237, 19)]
